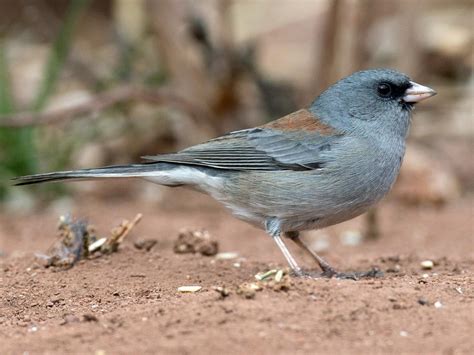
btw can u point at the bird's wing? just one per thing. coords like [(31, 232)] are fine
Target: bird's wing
[(295, 142)]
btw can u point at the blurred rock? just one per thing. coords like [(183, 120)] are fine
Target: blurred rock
[(195, 241), (145, 244), (19, 201), (425, 180), (26, 61), (351, 237), (61, 206), (317, 241), (448, 43), (90, 155)]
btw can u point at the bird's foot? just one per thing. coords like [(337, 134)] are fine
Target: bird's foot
[(330, 273), (357, 275)]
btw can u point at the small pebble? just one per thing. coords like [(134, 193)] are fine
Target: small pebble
[(69, 318), (427, 264), (320, 243), (438, 304), (255, 286), (90, 318), (423, 301), (248, 290), (189, 289), (145, 244), (351, 238), (403, 333), (227, 255), (223, 292)]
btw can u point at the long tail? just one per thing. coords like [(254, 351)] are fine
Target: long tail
[(116, 171)]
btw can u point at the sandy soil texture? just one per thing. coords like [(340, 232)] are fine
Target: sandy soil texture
[(128, 302)]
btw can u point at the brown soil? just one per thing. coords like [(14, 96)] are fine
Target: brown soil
[(128, 302)]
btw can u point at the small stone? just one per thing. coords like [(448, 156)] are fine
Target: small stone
[(394, 269), (438, 304), (403, 333), (223, 292), (227, 256), (195, 241), (423, 301), (255, 286), (146, 244), (248, 290), (90, 318), (69, 318), (319, 243), (351, 238), (427, 264), (283, 285)]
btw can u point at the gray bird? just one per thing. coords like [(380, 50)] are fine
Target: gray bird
[(311, 169)]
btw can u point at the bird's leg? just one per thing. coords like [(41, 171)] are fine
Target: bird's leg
[(327, 269), (272, 227)]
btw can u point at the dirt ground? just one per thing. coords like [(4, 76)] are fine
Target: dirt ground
[(128, 302)]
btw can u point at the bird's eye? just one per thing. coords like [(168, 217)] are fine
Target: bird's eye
[(384, 89)]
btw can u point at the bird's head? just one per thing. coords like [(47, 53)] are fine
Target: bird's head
[(376, 100)]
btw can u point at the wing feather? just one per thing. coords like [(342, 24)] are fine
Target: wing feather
[(263, 148)]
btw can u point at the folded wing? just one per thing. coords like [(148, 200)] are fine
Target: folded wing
[(298, 141)]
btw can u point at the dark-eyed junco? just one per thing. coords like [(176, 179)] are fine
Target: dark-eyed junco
[(310, 169)]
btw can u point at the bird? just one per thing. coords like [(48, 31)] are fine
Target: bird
[(313, 168)]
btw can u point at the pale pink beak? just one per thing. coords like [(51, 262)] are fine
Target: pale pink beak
[(417, 93)]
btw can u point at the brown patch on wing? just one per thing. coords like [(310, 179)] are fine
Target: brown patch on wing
[(301, 120)]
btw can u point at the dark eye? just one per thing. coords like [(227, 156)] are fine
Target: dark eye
[(384, 89)]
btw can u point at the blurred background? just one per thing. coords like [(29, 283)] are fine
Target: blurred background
[(85, 83)]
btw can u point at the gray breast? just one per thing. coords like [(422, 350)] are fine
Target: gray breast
[(302, 200)]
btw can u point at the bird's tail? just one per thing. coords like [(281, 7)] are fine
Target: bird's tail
[(116, 171)]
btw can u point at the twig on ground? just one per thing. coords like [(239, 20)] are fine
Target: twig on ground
[(118, 235)]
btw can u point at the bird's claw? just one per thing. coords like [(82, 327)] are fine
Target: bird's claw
[(330, 273)]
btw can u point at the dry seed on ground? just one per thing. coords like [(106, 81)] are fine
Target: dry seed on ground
[(264, 275), (189, 289)]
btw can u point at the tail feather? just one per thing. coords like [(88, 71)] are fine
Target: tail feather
[(116, 171)]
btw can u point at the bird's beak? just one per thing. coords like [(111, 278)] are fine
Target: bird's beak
[(417, 93)]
